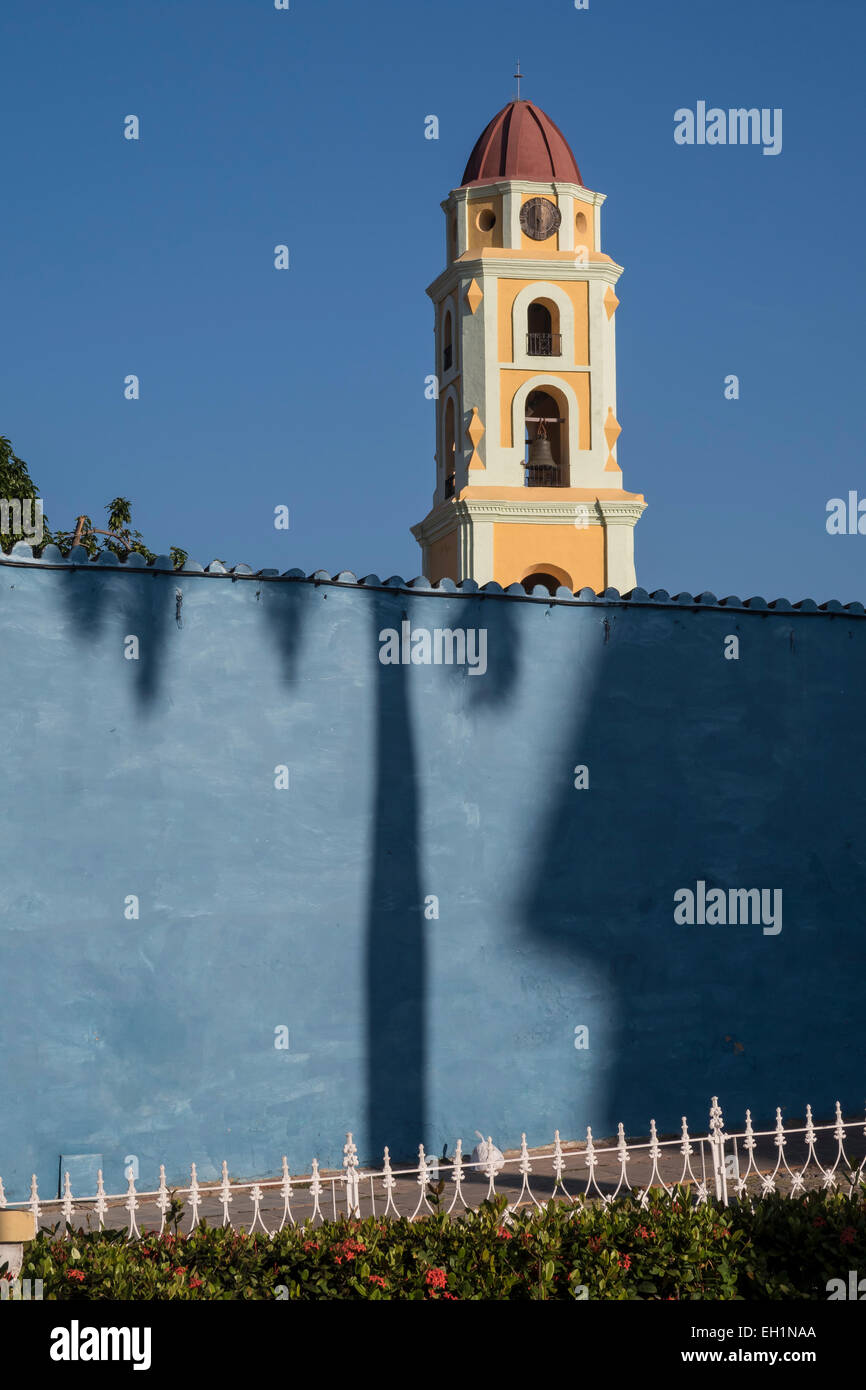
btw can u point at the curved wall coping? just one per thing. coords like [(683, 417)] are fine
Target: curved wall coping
[(51, 558)]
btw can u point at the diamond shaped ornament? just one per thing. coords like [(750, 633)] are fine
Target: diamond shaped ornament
[(475, 430), (474, 296)]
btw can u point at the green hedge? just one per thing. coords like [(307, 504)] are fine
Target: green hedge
[(783, 1248)]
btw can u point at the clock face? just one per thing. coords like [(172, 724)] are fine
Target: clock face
[(540, 218)]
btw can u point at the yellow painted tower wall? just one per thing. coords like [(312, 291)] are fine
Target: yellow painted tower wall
[(520, 549)]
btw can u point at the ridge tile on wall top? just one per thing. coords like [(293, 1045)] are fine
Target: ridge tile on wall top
[(52, 558)]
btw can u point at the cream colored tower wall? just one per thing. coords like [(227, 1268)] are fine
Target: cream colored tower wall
[(599, 356), (476, 550), (619, 523), (474, 334), (448, 384)]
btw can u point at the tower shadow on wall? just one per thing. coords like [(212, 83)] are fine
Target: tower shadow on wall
[(608, 860), (396, 967), (709, 785)]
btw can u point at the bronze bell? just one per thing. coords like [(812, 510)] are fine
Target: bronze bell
[(540, 452)]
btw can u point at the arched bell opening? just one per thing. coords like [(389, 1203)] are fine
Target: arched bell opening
[(450, 446), (447, 343), (546, 431), (543, 337), (550, 577)]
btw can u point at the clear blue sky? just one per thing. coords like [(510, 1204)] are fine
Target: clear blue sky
[(307, 387)]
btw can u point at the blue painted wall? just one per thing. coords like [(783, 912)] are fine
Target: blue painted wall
[(305, 907)]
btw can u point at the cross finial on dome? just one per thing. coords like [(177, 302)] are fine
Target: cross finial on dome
[(518, 75)]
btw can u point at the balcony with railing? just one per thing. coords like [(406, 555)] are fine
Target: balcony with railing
[(544, 344)]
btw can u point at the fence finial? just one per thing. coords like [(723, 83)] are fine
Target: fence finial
[(389, 1182), (525, 1168), (131, 1205), (225, 1193), (316, 1191), (685, 1147), (287, 1193), (590, 1159), (162, 1200), (423, 1180), (101, 1206), (350, 1163), (194, 1196), (558, 1160), (491, 1167), (67, 1209), (256, 1199)]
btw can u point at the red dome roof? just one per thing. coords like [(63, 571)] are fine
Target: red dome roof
[(521, 142)]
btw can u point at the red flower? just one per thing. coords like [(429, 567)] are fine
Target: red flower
[(506, 1235), (77, 1274), (311, 1245), (436, 1278), (195, 1283), (819, 1221), (377, 1279), (847, 1236), (595, 1244), (452, 1296), (349, 1249), (624, 1263)]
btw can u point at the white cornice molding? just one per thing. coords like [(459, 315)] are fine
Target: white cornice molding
[(523, 268), (440, 522), (597, 512), (621, 513), (484, 190), (550, 513)]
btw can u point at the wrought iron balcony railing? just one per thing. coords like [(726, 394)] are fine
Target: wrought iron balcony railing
[(544, 344)]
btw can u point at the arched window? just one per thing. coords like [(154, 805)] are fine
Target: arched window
[(447, 343), (543, 338), (547, 581), (450, 444)]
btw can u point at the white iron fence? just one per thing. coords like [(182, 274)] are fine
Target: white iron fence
[(740, 1165)]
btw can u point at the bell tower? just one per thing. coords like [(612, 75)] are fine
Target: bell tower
[(528, 485)]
